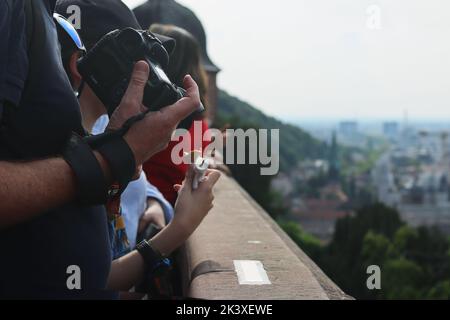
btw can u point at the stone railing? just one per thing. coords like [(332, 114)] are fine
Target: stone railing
[(239, 252)]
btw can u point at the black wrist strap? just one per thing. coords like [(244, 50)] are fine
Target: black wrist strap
[(120, 159), (151, 257), (116, 151), (93, 189), (92, 184)]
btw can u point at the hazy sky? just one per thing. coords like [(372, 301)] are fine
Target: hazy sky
[(300, 59)]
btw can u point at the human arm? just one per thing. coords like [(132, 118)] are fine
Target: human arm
[(159, 211), (154, 214), (28, 189), (191, 207)]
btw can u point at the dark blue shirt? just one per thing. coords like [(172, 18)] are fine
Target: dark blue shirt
[(13, 45), (42, 113), (4, 34)]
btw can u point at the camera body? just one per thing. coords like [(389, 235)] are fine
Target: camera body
[(108, 66)]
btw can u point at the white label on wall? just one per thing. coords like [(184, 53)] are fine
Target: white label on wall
[(251, 272)]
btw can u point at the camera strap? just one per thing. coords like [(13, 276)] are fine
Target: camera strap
[(116, 151), (93, 189), (120, 159), (92, 184)]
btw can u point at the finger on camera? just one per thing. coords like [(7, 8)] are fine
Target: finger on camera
[(135, 91), (180, 110), (184, 107), (192, 89), (190, 86)]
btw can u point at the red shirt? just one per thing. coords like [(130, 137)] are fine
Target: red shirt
[(163, 173)]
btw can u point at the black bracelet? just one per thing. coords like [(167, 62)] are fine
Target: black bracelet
[(152, 258), (92, 184)]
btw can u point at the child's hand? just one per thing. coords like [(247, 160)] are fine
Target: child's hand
[(193, 205), (190, 209)]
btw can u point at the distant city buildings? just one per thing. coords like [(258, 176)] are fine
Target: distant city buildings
[(413, 176), (348, 128), (391, 130), (398, 164), (350, 135)]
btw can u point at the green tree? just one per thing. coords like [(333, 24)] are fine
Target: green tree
[(440, 291), (401, 279), (343, 258), (414, 263), (376, 249), (403, 238), (307, 242)]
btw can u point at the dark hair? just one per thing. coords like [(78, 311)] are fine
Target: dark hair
[(185, 59)]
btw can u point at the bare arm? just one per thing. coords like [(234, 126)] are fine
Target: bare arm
[(128, 270), (192, 206), (30, 188), (153, 214)]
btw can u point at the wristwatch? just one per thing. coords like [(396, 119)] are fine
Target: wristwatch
[(153, 259)]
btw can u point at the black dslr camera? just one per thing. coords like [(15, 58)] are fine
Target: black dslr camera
[(108, 66)]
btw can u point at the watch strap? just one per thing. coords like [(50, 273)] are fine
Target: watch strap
[(153, 259)]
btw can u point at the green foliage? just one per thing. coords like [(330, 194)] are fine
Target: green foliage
[(404, 236), (343, 260), (350, 231), (376, 249), (401, 279), (307, 242), (415, 263), (440, 291)]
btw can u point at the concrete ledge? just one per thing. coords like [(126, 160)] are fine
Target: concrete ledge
[(239, 229)]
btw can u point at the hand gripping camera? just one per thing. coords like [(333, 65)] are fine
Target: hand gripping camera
[(108, 66)]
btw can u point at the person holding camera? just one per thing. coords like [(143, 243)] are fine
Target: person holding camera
[(142, 205), (53, 228)]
